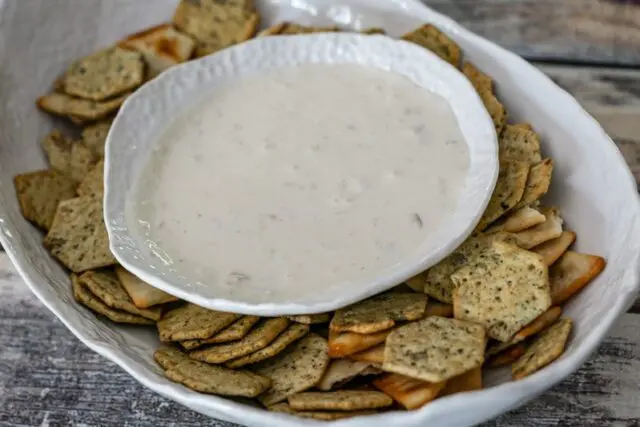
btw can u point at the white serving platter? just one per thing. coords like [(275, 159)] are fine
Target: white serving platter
[(593, 187)]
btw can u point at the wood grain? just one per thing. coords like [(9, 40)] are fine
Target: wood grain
[(602, 31)]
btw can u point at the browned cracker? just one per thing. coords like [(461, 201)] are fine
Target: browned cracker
[(544, 350), (72, 158), (318, 415), (572, 272), (339, 400), (435, 308), (168, 357), (311, 319), (104, 74), (234, 332), (435, 349), (378, 313), (297, 369), (481, 81), (519, 144), (105, 285), (161, 47), (292, 334), (141, 293), (216, 25), (344, 344), (518, 220), (211, 379), (94, 136), (548, 230), (93, 182), (504, 289), (39, 194), (436, 282), (430, 37), (79, 110), (552, 250), (408, 392), (341, 371), (469, 381), (261, 336), (507, 356), (512, 180), (190, 321), (78, 237), (538, 182), (272, 30), (372, 355), (86, 298)]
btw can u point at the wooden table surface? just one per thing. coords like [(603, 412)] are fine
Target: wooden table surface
[(589, 47)]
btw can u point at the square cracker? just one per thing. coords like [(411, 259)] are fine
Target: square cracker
[(511, 184), (552, 250), (572, 272), (297, 369), (161, 46), (545, 349), (78, 237), (341, 371), (72, 158), (93, 182), (142, 294), (339, 400), (89, 300), (548, 230), (430, 37), (436, 282), (104, 74), (538, 183), (311, 319), (518, 220), (168, 357), (94, 136), (408, 392), (78, 109), (318, 415), (211, 379), (435, 349), (39, 194), (292, 334), (190, 321), (215, 25), (344, 344), (469, 381), (261, 336), (105, 285), (519, 144), (236, 331), (379, 312), (504, 289)]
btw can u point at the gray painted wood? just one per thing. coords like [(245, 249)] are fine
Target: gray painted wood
[(603, 31)]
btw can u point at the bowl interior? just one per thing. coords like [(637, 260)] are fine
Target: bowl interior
[(144, 116), (592, 187)]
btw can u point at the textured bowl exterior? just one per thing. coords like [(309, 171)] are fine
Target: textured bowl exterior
[(593, 187), (146, 114)]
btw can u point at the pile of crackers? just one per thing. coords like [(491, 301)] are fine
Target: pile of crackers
[(496, 301)]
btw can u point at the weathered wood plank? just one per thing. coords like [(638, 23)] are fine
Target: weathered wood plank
[(603, 31), (48, 378)]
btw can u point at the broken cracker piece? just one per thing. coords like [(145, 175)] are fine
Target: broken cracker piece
[(572, 272), (435, 349), (39, 194), (297, 369), (379, 312), (505, 289), (545, 349), (190, 321), (409, 392), (78, 237)]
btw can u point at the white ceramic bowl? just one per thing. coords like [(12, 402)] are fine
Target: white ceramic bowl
[(147, 112), (592, 185)]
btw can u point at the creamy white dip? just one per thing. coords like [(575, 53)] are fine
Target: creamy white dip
[(287, 181)]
